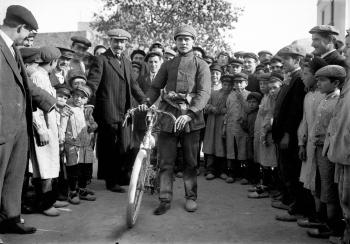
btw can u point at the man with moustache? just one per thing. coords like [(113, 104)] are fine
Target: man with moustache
[(111, 82)]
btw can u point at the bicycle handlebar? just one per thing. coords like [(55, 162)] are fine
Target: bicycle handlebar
[(131, 112)]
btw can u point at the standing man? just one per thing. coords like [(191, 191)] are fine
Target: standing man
[(17, 93), (111, 82), (186, 83)]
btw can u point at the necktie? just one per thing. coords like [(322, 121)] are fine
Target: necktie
[(17, 58)]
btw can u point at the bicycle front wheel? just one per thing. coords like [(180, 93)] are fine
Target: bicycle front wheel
[(136, 187)]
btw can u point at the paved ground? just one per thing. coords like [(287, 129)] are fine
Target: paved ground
[(225, 215)]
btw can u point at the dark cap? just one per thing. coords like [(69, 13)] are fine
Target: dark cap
[(20, 15), (227, 78), (199, 49), (264, 52), (85, 89), (324, 29), (119, 34), (276, 76), (263, 77), (63, 89), (31, 55), (240, 77), (66, 52), (260, 67), (136, 64), (215, 67), (251, 55), (276, 59), (99, 46), (185, 30), (333, 71), (49, 53), (152, 54), (82, 40), (137, 51), (292, 49), (75, 73), (236, 61), (254, 95)]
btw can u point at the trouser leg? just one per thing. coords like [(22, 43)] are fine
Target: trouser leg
[(167, 156), (190, 142)]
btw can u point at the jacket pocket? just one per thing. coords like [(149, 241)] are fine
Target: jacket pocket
[(2, 136)]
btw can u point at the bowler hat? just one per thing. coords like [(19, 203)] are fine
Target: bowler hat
[(20, 15)]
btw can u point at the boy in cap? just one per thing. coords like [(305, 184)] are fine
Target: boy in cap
[(287, 117), (59, 75), (29, 40), (276, 64), (78, 132), (236, 104), (31, 59), (46, 166), (169, 54), (264, 55), (199, 52), (186, 80), (223, 58), (328, 79), (215, 74), (235, 66), (213, 143)]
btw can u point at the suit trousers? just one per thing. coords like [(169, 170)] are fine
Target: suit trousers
[(13, 158), (167, 148)]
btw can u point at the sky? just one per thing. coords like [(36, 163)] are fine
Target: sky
[(264, 25)]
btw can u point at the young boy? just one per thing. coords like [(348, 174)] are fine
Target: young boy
[(213, 144), (328, 79), (236, 137), (215, 72), (78, 145)]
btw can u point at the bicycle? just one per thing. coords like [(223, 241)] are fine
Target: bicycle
[(143, 176)]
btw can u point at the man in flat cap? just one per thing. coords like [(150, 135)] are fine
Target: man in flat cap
[(186, 83), (286, 119), (111, 82), (17, 94), (264, 55), (59, 75), (323, 40)]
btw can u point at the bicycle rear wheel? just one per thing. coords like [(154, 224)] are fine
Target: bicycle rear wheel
[(136, 187)]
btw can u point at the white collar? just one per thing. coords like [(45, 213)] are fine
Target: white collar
[(326, 54), (8, 41)]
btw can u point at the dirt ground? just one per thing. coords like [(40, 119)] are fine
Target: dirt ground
[(225, 215)]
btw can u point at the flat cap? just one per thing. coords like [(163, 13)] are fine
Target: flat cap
[(137, 51), (227, 78), (326, 29), (49, 53), (152, 54), (264, 52), (20, 15), (292, 49), (66, 52), (85, 89), (251, 55), (260, 67), (63, 89), (239, 54), (236, 61), (81, 40), (215, 67), (334, 71), (136, 64), (185, 30), (75, 73), (119, 34), (263, 77), (31, 55), (254, 95), (276, 59), (276, 76), (240, 77), (199, 49), (170, 51)]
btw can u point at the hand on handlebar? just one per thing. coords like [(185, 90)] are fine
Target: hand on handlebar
[(182, 121), (142, 107)]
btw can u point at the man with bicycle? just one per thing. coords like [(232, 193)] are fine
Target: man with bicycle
[(185, 81)]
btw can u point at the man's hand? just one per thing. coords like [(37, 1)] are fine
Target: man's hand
[(302, 153), (285, 141), (142, 107), (182, 121), (64, 110), (43, 139)]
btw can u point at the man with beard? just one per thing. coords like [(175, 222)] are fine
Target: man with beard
[(59, 75), (111, 82)]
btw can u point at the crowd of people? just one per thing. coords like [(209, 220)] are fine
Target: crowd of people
[(277, 122)]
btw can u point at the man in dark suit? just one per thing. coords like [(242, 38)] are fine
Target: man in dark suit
[(17, 93), (323, 40), (110, 79), (287, 116)]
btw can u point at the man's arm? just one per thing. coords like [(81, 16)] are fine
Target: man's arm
[(95, 74), (42, 99)]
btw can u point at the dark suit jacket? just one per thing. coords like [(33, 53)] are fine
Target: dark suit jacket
[(289, 108), (17, 93), (105, 78), (335, 58)]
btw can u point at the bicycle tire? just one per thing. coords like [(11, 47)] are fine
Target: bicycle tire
[(136, 187)]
